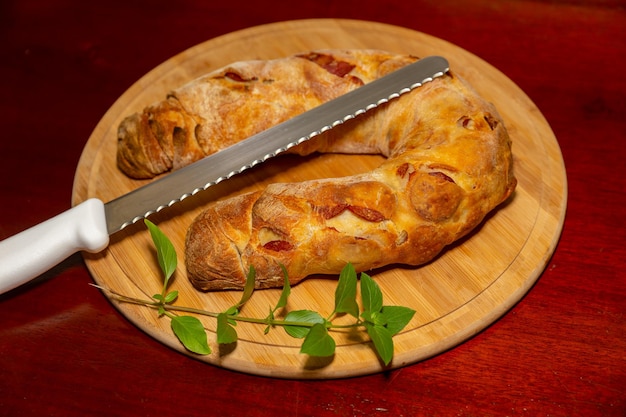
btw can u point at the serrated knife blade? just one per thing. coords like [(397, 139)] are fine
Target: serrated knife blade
[(87, 226)]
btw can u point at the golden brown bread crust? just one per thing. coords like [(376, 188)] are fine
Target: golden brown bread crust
[(449, 163), (237, 101)]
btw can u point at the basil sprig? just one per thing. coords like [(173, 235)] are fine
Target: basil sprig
[(380, 321)]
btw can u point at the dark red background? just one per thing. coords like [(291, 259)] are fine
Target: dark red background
[(65, 351)]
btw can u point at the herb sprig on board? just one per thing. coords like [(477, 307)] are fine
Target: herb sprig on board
[(380, 321)]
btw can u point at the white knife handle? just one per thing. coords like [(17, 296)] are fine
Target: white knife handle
[(36, 250)]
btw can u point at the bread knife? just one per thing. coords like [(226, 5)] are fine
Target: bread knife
[(88, 225)]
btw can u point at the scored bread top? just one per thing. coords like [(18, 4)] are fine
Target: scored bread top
[(449, 163)]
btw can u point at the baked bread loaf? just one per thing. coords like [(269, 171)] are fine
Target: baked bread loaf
[(239, 100), (449, 163)]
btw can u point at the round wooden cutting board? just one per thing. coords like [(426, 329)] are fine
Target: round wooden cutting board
[(466, 288)]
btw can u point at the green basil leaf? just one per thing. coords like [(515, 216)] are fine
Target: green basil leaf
[(248, 288), (345, 294), (232, 311), (166, 254), (284, 295), (397, 317), (318, 342), (191, 333), (366, 316), (371, 295), (301, 316), (170, 297), (225, 332), (383, 342), (374, 317)]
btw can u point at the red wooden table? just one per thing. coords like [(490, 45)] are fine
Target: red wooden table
[(561, 351)]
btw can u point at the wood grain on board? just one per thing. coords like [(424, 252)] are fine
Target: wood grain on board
[(462, 291)]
